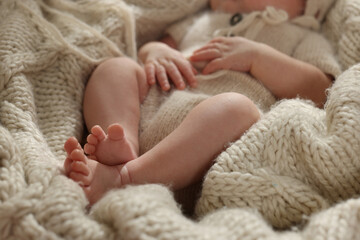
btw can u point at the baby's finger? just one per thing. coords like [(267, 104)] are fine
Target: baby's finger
[(67, 166), (208, 46), (162, 77), (219, 40), (194, 70), (187, 70), (175, 75), (206, 55), (150, 73), (213, 66)]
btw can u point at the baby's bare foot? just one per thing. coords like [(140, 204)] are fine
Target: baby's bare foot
[(93, 177), (111, 149)]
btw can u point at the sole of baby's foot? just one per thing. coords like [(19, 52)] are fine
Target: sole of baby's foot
[(112, 148), (93, 177)]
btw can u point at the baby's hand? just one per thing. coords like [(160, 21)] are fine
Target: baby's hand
[(164, 64), (232, 53)]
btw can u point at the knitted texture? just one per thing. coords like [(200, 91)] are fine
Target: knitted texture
[(317, 8), (165, 12), (296, 161), (314, 13), (341, 27)]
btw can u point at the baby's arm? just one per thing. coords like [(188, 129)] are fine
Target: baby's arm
[(288, 77), (284, 76)]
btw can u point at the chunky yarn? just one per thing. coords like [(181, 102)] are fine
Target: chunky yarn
[(297, 168)]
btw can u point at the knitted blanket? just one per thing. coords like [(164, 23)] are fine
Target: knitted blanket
[(297, 169)]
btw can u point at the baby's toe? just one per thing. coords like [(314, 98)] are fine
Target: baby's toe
[(80, 167), (71, 144), (78, 155), (92, 139), (115, 132), (80, 178), (67, 165), (98, 132), (89, 148)]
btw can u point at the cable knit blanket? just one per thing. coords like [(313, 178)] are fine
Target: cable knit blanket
[(294, 175)]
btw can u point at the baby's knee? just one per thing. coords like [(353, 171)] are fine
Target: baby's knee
[(123, 63), (117, 66), (238, 107)]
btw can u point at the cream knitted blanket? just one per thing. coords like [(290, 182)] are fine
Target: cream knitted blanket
[(297, 165)]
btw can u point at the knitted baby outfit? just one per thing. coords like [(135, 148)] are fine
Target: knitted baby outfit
[(271, 27), (315, 12), (318, 8)]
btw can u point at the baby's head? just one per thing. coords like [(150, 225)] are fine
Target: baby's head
[(294, 8)]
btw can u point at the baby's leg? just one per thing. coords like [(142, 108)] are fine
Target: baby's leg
[(113, 95), (95, 178), (186, 154), (180, 159)]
